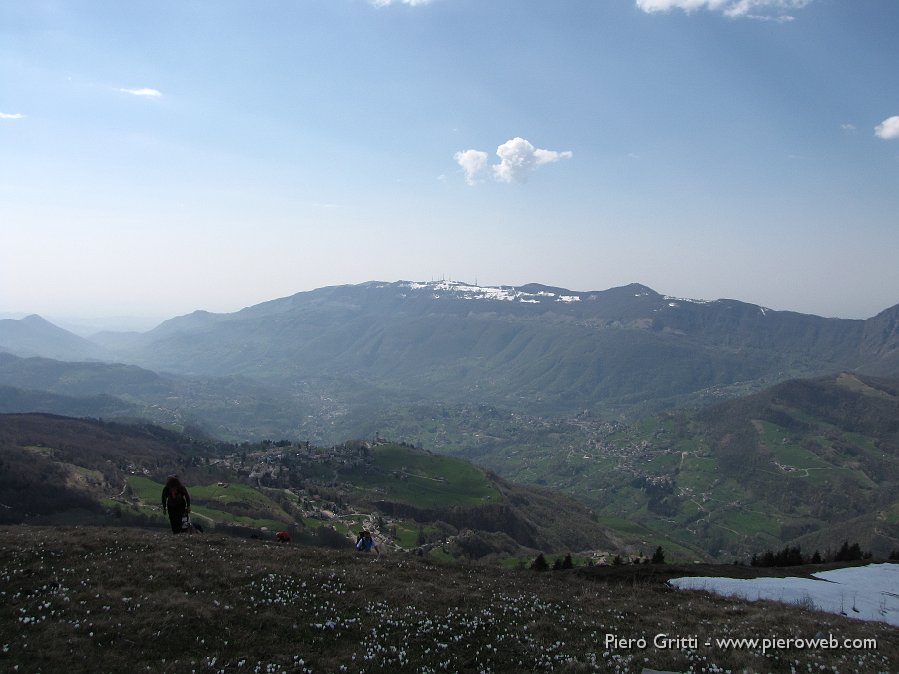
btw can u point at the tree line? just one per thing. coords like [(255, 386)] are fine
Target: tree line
[(792, 556)]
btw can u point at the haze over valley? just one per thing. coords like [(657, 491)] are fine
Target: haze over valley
[(652, 410), (605, 289)]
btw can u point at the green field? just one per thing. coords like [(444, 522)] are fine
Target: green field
[(891, 514), (224, 517), (212, 502), (407, 534), (410, 476), (697, 473), (750, 523), (147, 490)]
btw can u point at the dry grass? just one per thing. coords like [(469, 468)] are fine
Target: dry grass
[(127, 600)]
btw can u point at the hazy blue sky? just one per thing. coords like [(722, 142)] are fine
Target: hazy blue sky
[(160, 157)]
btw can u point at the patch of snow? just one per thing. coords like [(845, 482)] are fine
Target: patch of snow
[(861, 592), (686, 299), (673, 304), (467, 291)]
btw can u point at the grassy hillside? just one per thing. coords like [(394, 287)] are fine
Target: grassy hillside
[(63, 470), (809, 461), (406, 475), (104, 599), (798, 461), (214, 503)]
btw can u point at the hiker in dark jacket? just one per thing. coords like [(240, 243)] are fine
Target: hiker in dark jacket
[(176, 501)]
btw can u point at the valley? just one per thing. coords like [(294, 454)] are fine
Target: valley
[(716, 428)]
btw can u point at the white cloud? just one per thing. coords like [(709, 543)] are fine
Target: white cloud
[(473, 162), (387, 3), (888, 129), (150, 93), (517, 159), (8, 115), (777, 10), (686, 5), (848, 128)]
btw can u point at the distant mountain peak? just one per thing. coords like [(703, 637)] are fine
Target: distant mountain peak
[(639, 290), (36, 336)]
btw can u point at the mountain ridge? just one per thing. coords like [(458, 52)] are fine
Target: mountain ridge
[(348, 349), (442, 338)]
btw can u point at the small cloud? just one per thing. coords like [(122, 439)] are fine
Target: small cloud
[(149, 93), (848, 128), (387, 3), (888, 129), (650, 6), (517, 159), (11, 115), (767, 10), (473, 162)]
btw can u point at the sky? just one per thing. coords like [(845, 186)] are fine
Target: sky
[(167, 156)]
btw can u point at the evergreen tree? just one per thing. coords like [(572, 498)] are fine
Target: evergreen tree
[(540, 564), (788, 557), (567, 563), (843, 553), (658, 557), (848, 553)]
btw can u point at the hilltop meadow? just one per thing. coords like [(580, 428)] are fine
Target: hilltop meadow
[(81, 599)]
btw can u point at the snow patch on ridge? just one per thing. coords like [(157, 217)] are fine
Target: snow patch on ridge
[(672, 300), (467, 291)]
